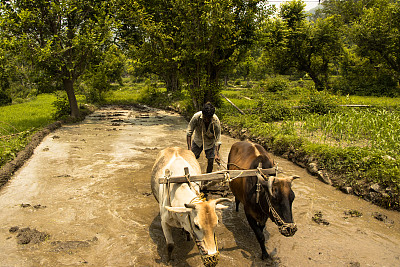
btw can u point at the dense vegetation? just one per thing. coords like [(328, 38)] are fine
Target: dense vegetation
[(290, 71), (356, 146)]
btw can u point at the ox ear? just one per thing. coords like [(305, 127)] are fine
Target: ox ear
[(178, 209)]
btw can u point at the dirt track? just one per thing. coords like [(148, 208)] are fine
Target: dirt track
[(85, 197)]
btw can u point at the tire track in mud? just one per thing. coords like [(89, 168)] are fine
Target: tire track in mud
[(91, 180)]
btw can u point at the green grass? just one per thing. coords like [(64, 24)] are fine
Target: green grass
[(127, 94), (25, 116), (370, 100), (373, 129), (360, 145), (18, 122)]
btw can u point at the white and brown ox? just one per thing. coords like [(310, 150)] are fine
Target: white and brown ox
[(181, 206), (262, 197)]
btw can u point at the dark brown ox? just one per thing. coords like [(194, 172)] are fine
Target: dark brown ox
[(257, 192)]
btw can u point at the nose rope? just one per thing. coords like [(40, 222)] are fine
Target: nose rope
[(288, 229), (208, 260)]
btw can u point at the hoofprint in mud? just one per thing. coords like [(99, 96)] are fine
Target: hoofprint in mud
[(91, 182)]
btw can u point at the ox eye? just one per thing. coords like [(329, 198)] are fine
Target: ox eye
[(197, 227)]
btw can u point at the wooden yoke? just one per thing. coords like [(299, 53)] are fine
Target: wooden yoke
[(216, 176)]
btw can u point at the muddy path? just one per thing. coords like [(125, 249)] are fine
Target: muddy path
[(84, 198)]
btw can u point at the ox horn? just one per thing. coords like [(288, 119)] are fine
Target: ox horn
[(219, 200), (190, 206), (271, 180), (293, 177)]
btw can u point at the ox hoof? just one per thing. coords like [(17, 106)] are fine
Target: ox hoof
[(265, 256), (170, 247)]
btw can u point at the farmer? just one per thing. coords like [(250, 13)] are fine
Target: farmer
[(207, 133)]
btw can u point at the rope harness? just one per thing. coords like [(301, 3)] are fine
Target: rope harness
[(208, 260), (287, 229)]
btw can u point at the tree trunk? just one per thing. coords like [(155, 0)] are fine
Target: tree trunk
[(69, 88), (319, 84), (171, 80)]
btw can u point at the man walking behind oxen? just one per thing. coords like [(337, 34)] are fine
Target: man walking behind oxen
[(207, 135)]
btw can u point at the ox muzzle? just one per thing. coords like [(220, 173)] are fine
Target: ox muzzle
[(208, 260), (288, 229)]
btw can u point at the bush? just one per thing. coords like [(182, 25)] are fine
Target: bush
[(62, 107), (273, 87), (270, 110), (320, 102), (5, 99), (277, 84)]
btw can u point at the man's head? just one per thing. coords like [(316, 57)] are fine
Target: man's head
[(208, 111)]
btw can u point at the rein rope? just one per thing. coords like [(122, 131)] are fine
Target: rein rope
[(282, 225), (208, 260)]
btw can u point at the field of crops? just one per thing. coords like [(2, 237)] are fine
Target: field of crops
[(355, 138)]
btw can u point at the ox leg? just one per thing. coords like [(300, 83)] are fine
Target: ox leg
[(237, 201), (187, 234), (258, 230), (168, 238)]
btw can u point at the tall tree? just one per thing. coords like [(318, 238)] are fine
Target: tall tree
[(308, 46), (147, 31), (196, 40), (58, 37), (377, 36), (214, 35), (349, 10)]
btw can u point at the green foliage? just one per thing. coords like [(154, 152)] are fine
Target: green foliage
[(238, 82), (12, 144), (169, 47), (361, 77), (5, 99), (307, 46), (293, 13), (377, 35), (271, 110), (320, 103), (349, 11), (273, 85), (62, 108), (18, 122), (59, 38)]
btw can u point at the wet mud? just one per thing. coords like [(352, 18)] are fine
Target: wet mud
[(84, 198)]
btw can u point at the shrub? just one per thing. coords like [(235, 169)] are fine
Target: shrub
[(319, 102), (5, 99), (62, 107), (271, 110), (238, 82), (276, 84)]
